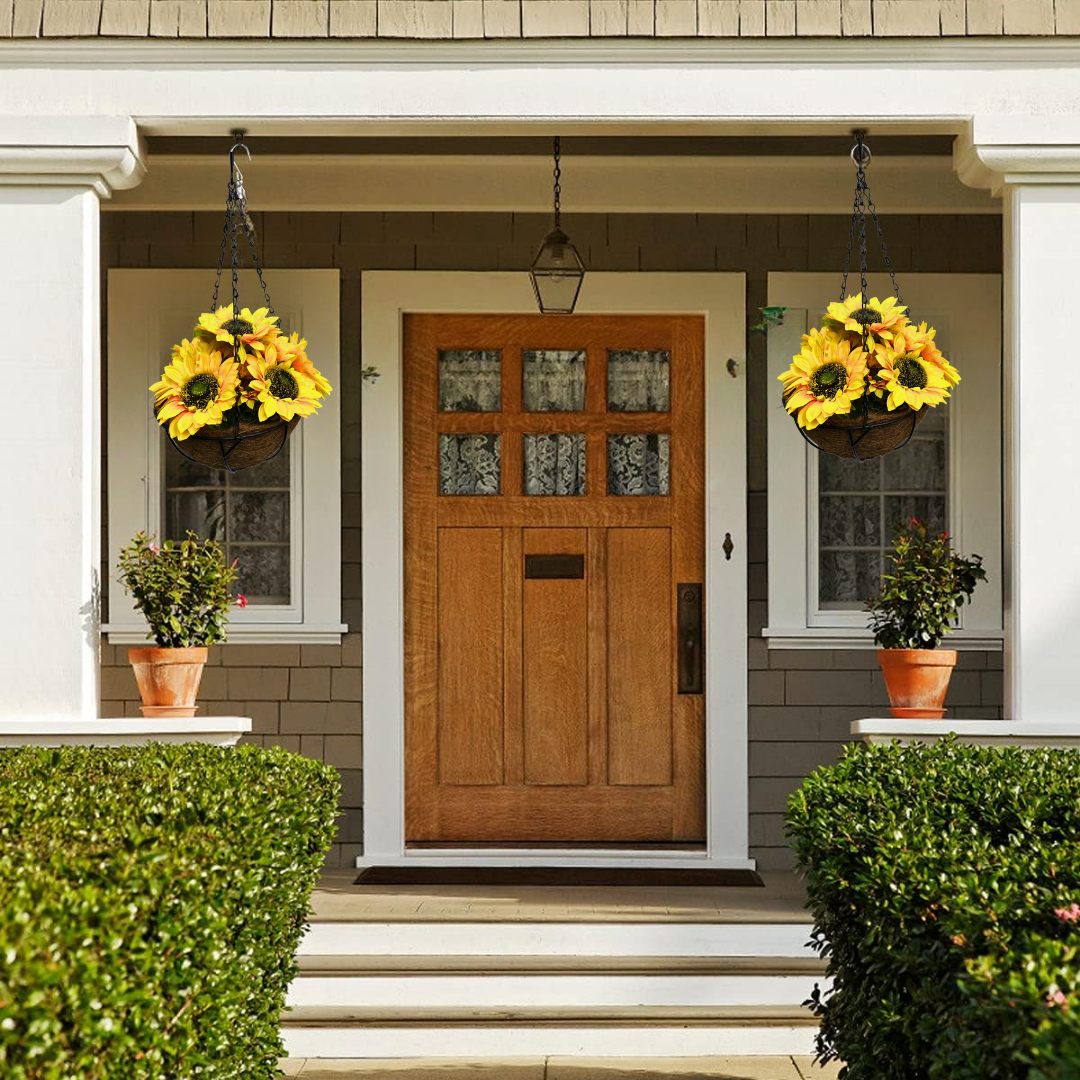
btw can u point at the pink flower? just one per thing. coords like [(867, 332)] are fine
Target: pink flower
[(241, 600), (1069, 914), (235, 563), (1056, 997), (154, 549)]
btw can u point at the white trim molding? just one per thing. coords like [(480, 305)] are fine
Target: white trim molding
[(1031, 736), (126, 731), (519, 183), (105, 153), (320, 87), (966, 310), (385, 297), (148, 310)]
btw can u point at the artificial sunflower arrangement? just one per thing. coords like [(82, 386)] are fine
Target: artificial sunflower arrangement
[(866, 350), (237, 369)]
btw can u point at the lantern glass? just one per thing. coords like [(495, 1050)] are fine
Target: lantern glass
[(557, 273)]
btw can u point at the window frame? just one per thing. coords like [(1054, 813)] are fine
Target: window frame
[(309, 301), (971, 306)]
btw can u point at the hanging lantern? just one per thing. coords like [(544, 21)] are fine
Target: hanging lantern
[(864, 381), (557, 271), (231, 396)]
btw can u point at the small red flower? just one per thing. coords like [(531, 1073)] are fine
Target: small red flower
[(241, 600), (235, 563)]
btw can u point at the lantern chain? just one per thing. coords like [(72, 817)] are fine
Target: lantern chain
[(558, 186)]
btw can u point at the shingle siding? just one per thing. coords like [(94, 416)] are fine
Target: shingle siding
[(458, 19), (308, 697)]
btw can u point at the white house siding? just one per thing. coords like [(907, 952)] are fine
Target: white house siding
[(465, 19), (308, 698)]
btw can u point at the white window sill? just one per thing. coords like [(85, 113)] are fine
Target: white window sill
[(839, 637), (253, 634)]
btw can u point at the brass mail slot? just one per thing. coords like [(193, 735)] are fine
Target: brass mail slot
[(554, 566)]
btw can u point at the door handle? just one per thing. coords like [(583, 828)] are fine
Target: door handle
[(690, 652)]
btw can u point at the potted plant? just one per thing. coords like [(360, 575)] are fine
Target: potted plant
[(918, 604), (864, 372), (182, 588)]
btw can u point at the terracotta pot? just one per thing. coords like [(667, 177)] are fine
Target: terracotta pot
[(885, 431), (237, 446), (917, 680), (168, 679)]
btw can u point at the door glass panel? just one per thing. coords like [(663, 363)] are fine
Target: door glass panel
[(639, 380), (639, 464), (554, 465), (553, 380), (469, 464), (470, 380)]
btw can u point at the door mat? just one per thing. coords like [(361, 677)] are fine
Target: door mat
[(589, 876)]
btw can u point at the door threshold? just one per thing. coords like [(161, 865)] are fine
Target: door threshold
[(575, 857)]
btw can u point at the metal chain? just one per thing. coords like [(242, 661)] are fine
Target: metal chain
[(558, 186), (236, 218), (881, 240)]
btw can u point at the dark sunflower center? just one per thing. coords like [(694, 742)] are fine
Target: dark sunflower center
[(200, 391), (282, 383), (911, 374), (828, 380), (867, 316), (237, 327)]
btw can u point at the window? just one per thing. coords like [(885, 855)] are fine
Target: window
[(832, 520), (280, 520)]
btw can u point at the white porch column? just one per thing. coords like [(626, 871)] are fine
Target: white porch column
[(1034, 164), (53, 173)]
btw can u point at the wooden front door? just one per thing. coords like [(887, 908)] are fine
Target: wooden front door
[(554, 565)]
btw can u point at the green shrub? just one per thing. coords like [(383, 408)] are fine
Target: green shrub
[(151, 902), (935, 874)]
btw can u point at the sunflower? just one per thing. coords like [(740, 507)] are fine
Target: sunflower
[(909, 379), (824, 379), (251, 330), (294, 348), (195, 389), (881, 318), (932, 354), (279, 388)]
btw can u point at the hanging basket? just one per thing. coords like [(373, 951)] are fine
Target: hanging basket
[(865, 433), (239, 446), (237, 365)]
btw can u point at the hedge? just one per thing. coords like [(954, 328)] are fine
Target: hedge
[(942, 880), (151, 902)]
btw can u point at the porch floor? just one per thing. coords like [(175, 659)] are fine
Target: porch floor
[(555, 1068), (337, 899)]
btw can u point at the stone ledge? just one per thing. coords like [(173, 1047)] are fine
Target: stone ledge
[(129, 731), (1059, 733)]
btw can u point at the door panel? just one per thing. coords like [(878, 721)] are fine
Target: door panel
[(554, 499)]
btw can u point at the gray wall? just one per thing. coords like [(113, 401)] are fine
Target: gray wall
[(308, 698)]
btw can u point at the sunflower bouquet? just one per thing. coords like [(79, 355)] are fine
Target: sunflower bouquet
[(236, 368), (865, 350)]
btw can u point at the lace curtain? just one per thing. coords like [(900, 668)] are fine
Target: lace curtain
[(554, 464), (469, 464), (638, 464), (638, 380), (553, 380)]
